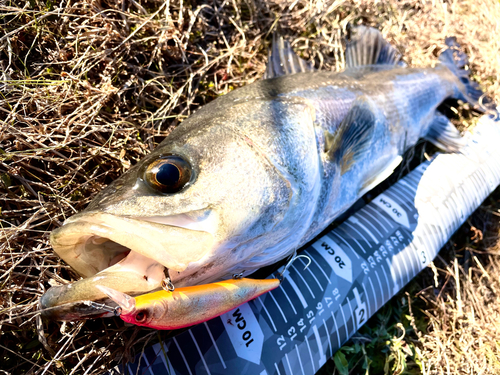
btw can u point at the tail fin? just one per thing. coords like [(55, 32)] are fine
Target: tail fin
[(455, 60)]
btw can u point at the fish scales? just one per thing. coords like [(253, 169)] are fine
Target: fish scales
[(255, 174)]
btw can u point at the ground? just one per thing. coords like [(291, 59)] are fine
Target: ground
[(87, 88)]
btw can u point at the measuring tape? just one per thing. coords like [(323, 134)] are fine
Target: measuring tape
[(355, 269)]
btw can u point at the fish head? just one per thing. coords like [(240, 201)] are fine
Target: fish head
[(203, 201)]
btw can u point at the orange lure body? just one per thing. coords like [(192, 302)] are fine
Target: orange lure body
[(189, 305)]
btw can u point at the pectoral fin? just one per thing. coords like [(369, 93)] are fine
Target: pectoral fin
[(353, 137)]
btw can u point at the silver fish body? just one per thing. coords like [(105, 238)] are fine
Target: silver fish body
[(273, 163)]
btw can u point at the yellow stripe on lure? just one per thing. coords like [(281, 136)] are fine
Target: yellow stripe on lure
[(190, 305)]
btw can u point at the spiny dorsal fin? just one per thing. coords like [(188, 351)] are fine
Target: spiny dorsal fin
[(353, 137), (282, 60), (366, 46)]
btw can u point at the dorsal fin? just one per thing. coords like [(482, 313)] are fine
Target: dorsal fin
[(366, 46), (282, 60)]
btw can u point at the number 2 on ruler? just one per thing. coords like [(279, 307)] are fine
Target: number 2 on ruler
[(360, 313)]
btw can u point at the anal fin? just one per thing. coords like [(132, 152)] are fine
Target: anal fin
[(443, 134)]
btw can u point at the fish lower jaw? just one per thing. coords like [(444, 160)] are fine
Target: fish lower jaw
[(124, 254), (134, 274)]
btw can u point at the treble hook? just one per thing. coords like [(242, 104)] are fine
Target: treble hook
[(293, 257), (101, 306), (237, 276), (167, 285)]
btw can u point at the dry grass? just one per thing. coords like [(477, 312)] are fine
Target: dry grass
[(88, 88), (465, 328), (464, 318)]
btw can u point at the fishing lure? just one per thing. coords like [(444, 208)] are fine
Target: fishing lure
[(173, 308), (187, 306)]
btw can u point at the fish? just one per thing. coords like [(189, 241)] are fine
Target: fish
[(255, 174), (187, 306)]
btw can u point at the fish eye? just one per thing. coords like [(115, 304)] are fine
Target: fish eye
[(168, 174), (140, 316)]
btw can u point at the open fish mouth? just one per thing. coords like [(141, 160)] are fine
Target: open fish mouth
[(126, 254)]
